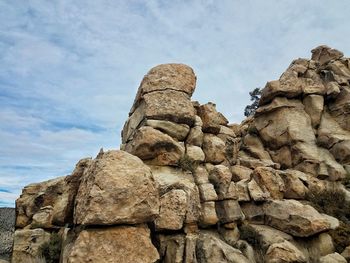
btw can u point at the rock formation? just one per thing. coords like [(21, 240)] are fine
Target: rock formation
[(187, 186)]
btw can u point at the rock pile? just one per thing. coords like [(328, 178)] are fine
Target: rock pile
[(187, 186)]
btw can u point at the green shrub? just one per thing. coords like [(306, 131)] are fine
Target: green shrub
[(341, 237), (251, 236), (346, 180), (187, 164), (332, 201), (51, 250)]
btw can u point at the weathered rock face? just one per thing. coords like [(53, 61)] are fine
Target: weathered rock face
[(133, 245), (187, 187), (116, 189), (50, 203), (295, 218), (211, 249), (27, 244)]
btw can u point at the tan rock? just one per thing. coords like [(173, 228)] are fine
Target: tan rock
[(332, 89), (341, 152), (269, 180), (43, 218), (277, 103), (231, 192), (256, 193), (214, 149), (175, 130), (292, 217), (267, 235), (232, 146), (201, 176), (27, 244), (225, 130), (240, 173), (253, 212), (323, 54), (321, 245), (124, 243), (282, 156), (284, 252), (314, 107), (190, 249), (339, 107), (210, 248), (211, 118), (173, 206), (155, 147), (330, 132), (275, 88), (333, 258), (339, 69), (116, 189), (285, 126), (172, 248), (168, 178), (168, 105), (208, 214), (176, 77), (245, 160), (229, 211), (254, 146), (220, 177), (294, 186), (318, 161), (195, 137), (346, 253), (52, 201), (242, 190), (207, 192), (195, 153)]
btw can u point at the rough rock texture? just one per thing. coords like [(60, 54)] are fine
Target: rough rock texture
[(116, 189), (133, 245), (295, 218), (188, 187), (51, 203), (27, 244), (211, 249)]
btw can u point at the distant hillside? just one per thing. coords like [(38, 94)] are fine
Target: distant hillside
[(7, 227)]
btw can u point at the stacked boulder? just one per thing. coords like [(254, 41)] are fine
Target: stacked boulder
[(187, 186)]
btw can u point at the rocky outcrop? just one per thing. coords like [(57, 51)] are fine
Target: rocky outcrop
[(187, 186), (133, 245), (117, 188)]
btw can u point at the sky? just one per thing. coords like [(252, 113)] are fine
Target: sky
[(69, 70)]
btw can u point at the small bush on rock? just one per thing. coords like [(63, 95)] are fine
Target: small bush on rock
[(341, 237), (346, 181), (251, 236), (187, 164), (332, 202), (51, 250)]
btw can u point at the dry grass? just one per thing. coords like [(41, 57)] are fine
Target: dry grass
[(187, 164)]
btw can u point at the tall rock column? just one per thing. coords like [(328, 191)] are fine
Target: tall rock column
[(161, 115)]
